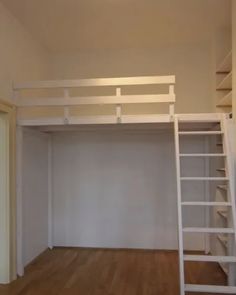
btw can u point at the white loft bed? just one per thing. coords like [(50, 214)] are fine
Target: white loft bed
[(67, 102)]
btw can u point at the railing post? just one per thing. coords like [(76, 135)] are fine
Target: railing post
[(171, 106), (118, 106), (66, 108)]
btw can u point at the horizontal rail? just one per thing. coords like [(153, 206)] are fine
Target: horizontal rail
[(71, 101), (95, 82)]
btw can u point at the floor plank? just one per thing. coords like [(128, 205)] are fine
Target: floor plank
[(78, 271)]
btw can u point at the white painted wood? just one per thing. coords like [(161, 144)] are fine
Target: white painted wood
[(4, 201), (202, 155), (96, 82), (133, 119), (172, 110), (180, 225), (206, 203), (66, 115), (210, 289), (208, 230), (207, 194), (83, 120), (50, 185), (221, 170), (72, 101), (210, 258), (40, 122), (206, 178), (230, 172), (200, 132), (19, 202), (193, 118)]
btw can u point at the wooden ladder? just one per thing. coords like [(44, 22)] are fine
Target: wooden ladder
[(229, 204)]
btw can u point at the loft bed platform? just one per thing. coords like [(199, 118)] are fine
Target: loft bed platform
[(56, 105)]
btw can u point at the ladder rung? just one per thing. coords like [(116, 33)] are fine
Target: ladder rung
[(205, 178), (200, 132), (202, 155), (213, 230), (210, 289), (206, 203), (210, 258)]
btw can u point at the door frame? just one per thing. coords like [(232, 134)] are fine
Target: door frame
[(7, 108)]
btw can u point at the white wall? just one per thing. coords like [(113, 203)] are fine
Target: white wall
[(35, 194), (114, 189), (190, 64), (21, 56)]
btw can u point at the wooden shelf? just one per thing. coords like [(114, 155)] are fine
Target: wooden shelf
[(226, 101), (226, 83), (226, 65)]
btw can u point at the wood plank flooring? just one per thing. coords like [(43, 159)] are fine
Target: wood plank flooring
[(78, 271)]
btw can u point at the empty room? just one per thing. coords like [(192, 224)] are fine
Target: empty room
[(117, 147)]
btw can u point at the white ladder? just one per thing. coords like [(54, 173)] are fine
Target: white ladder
[(230, 204)]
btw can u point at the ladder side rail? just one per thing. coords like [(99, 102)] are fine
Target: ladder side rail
[(207, 195), (231, 193), (180, 225)]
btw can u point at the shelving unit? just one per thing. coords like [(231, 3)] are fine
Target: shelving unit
[(224, 84)]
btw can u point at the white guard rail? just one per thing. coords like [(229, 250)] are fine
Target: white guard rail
[(117, 99)]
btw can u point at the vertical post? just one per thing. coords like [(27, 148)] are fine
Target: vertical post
[(172, 110), (19, 200), (5, 209), (207, 195), (179, 206), (118, 106), (66, 108), (230, 174), (50, 241), (171, 105)]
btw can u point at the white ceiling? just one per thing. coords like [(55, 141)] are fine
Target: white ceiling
[(72, 25)]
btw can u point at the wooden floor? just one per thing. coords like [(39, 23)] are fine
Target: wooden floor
[(73, 271)]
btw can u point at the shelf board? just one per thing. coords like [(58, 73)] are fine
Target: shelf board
[(226, 101), (226, 83), (226, 64), (221, 170)]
